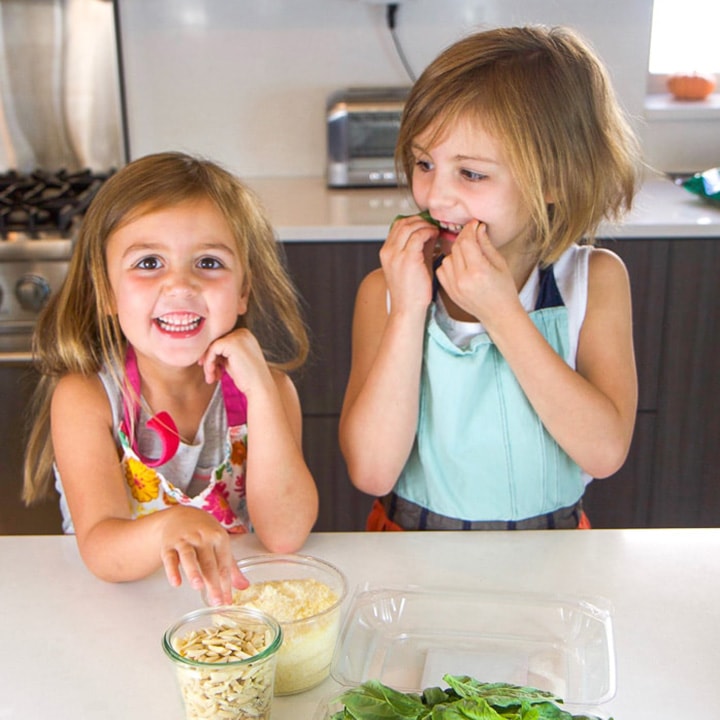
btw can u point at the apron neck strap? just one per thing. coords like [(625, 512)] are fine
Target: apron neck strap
[(162, 423)]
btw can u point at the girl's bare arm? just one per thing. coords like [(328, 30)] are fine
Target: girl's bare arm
[(281, 492), (114, 546), (380, 408)]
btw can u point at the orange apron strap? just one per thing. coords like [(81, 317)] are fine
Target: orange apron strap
[(378, 521)]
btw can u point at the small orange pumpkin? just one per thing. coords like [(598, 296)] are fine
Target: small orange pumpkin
[(691, 86)]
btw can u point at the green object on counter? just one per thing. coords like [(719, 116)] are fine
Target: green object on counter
[(705, 184), (465, 698)]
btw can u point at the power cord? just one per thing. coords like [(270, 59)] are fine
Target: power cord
[(390, 18)]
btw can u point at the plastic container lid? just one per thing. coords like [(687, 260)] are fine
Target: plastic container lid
[(408, 638)]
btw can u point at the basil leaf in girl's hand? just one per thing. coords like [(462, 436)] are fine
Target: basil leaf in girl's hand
[(425, 215)]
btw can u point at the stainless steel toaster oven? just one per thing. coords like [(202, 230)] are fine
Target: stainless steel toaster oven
[(362, 131)]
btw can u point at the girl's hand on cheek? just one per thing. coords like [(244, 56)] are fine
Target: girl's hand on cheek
[(475, 275), (194, 542), (240, 354), (406, 259)]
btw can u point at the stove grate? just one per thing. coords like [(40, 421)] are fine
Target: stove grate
[(44, 202)]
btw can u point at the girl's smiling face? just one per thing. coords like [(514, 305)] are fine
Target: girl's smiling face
[(176, 280), (464, 177)]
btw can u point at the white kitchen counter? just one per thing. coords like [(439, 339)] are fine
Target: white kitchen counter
[(75, 647), (304, 209)]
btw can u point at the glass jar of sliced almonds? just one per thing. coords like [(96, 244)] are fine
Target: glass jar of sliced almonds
[(225, 659)]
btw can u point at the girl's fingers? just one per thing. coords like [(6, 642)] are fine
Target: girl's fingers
[(227, 572), (239, 581), (215, 578), (485, 244), (171, 564), (412, 231)]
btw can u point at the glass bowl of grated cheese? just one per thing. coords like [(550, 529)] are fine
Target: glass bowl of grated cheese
[(305, 595)]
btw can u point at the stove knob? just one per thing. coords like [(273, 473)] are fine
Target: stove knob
[(32, 291)]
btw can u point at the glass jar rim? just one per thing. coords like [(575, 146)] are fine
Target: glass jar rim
[(231, 610), (308, 560)]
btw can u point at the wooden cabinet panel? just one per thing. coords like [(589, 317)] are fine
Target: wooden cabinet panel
[(16, 387), (327, 275), (647, 263), (686, 488), (623, 499), (342, 507)]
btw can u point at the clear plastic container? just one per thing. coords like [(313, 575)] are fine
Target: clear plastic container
[(309, 640), (408, 638), (225, 660)]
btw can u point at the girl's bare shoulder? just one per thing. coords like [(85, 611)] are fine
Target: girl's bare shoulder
[(76, 393), (373, 289), (609, 292), (605, 265)]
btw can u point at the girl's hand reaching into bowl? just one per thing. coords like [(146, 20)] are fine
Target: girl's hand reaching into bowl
[(194, 542)]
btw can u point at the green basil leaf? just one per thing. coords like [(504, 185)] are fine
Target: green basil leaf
[(466, 709), (374, 701), (465, 699), (425, 215), (498, 694), (433, 695)]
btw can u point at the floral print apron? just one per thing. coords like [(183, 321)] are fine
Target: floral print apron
[(149, 490)]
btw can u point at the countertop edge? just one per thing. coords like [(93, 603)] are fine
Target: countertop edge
[(304, 209)]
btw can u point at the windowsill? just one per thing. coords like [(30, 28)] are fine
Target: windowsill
[(665, 107)]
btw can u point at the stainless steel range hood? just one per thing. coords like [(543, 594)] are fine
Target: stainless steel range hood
[(59, 86)]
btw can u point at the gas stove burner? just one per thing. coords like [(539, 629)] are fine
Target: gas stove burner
[(44, 202)]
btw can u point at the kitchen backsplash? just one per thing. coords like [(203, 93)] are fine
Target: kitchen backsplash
[(246, 82)]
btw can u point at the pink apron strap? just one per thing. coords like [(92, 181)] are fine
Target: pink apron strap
[(235, 408), (161, 423), (235, 402)]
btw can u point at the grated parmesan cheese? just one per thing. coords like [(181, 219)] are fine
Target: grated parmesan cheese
[(308, 641)]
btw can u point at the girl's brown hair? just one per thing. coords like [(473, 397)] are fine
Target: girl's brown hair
[(77, 331), (546, 97)]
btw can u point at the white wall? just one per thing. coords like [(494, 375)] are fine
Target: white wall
[(245, 81)]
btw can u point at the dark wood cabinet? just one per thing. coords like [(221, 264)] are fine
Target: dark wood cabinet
[(17, 383), (623, 500), (686, 483), (327, 275), (672, 475)]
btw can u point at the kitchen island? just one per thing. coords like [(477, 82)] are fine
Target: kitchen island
[(76, 647)]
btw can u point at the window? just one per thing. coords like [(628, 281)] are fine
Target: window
[(684, 39)]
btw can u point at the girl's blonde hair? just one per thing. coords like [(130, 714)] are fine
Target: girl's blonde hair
[(77, 331), (546, 97)]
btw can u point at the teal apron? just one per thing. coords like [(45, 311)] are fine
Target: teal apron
[(481, 453)]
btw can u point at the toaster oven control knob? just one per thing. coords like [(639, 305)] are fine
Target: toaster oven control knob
[(32, 291)]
